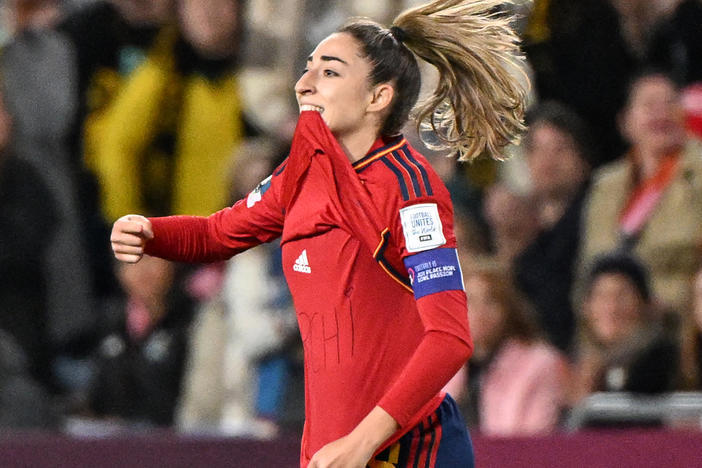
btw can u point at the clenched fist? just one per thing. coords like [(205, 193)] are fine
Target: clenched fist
[(129, 236)]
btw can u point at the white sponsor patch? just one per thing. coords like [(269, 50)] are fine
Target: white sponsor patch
[(253, 198), (255, 195), (421, 226)]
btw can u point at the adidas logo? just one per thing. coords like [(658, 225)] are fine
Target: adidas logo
[(301, 264)]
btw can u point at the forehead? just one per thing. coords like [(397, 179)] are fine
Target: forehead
[(545, 130), (650, 86), (613, 281), (338, 45)]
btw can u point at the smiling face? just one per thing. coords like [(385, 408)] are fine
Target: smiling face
[(613, 308), (653, 119), (335, 83)]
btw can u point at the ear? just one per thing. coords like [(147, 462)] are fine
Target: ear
[(381, 97)]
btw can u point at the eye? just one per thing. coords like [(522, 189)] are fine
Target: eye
[(330, 73)]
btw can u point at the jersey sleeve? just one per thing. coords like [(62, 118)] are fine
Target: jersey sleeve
[(422, 234), (253, 220), (422, 237)]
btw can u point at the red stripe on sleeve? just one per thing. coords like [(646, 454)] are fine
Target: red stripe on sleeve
[(416, 435), (435, 449)]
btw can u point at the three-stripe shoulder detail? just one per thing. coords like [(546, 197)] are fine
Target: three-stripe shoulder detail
[(411, 174)]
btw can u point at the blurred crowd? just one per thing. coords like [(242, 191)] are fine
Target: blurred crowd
[(581, 255)]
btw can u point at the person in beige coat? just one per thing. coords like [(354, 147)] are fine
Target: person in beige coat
[(649, 202)]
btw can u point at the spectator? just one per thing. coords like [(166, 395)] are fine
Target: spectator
[(27, 225), (650, 201), (39, 82), (676, 46), (637, 19), (623, 346), (141, 355), (516, 382), (580, 57), (676, 43), (169, 112), (558, 149)]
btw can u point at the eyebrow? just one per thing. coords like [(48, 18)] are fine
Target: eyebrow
[(328, 58)]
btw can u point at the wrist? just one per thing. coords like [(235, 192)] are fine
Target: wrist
[(374, 430)]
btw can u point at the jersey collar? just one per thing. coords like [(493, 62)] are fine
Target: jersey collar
[(381, 147)]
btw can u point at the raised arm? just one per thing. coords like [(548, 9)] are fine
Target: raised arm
[(256, 219)]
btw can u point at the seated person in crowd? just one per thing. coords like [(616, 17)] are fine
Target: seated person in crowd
[(517, 382), (27, 225), (622, 346), (557, 152), (649, 202), (160, 109), (141, 355)]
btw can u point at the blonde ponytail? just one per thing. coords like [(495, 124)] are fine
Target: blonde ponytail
[(478, 105)]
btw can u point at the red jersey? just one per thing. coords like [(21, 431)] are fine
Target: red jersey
[(369, 256)]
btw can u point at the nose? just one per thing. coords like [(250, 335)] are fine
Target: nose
[(305, 85)]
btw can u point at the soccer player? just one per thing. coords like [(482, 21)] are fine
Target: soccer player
[(366, 229)]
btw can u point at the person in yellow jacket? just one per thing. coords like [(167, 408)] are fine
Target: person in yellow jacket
[(164, 115)]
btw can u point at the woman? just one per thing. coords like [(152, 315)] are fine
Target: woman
[(353, 196), (622, 346), (557, 153), (650, 201), (518, 382), (143, 341)]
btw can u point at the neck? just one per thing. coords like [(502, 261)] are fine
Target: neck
[(357, 144), (648, 163), (649, 159)]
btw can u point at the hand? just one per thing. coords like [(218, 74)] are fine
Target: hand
[(356, 449), (129, 236), (342, 453)]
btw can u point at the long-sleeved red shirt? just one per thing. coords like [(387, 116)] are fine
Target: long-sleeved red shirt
[(369, 256)]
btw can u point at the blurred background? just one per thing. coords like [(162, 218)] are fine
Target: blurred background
[(581, 254)]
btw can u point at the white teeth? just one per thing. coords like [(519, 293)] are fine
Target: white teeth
[(310, 107)]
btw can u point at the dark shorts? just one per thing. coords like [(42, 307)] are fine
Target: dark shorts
[(441, 440)]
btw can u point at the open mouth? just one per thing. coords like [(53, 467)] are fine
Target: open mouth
[(310, 107)]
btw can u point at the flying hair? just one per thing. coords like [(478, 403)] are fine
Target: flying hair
[(478, 105)]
